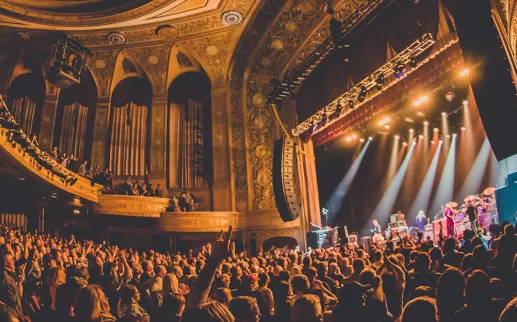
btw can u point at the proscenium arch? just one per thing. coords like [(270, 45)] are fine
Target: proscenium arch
[(86, 95), (195, 86)]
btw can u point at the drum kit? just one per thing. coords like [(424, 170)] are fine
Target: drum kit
[(485, 201)]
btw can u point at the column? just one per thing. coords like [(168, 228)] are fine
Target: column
[(158, 142), (100, 133), (222, 194), (48, 117)]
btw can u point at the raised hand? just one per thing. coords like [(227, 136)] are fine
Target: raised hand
[(222, 247)]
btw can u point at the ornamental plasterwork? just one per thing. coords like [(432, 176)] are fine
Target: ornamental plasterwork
[(154, 61), (275, 51), (102, 66)]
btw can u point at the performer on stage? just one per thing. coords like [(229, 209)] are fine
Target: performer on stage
[(420, 220), (472, 212), (376, 227), (450, 214)]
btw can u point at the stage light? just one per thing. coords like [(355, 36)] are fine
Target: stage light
[(397, 137), (412, 62), (463, 128), (387, 127), (449, 95), (444, 114), (426, 123), (404, 143), (370, 138), (465, 102), (348, 139), (421, 137), (362, 94), (454, 135), (380, 82), (464, 72), (384, 121), (399, 70), (351, 103), (411, 131), (354, 136), (361, 140), (420, 101), (448, 136), (432, 142), (435, 129)]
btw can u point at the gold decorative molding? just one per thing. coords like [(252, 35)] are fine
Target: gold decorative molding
[(133, 206), (216, 221), (82, 188)]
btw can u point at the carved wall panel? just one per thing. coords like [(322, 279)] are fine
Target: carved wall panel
[(100, 133), (155, 61), (131, 206), (102, 65), (48, 116), (220, 139), (158, 136)]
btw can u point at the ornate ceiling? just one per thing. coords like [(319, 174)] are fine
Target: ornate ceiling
[(103, 14)]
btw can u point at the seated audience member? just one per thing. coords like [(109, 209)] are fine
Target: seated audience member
[(159, 191)]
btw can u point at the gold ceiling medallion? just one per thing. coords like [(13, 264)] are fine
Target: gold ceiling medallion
[(167, 32), (231, 17), (116, 38)]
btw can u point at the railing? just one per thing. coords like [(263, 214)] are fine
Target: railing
[(133, 206), (17, 145)]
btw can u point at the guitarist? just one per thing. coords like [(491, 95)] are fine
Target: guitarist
[(449, 214)]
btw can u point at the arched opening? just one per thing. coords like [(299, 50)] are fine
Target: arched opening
[(189, 156), (25, 100), (279, 242), (73, 129), (130, 128)]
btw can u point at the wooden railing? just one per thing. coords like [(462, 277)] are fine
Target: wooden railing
[(133, 206)]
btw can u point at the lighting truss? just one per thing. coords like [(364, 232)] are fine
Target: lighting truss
[(405, 57), (294, 80)]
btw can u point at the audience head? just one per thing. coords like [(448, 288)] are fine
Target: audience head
[(422, 309), (208, 312), (245, 309), (307, 308)]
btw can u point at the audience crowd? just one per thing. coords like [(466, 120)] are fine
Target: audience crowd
[(45, 278)]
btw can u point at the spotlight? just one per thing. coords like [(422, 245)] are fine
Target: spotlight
[(454, 135), (362, 94), (426, 123), (448, 136), (420, 101), (354, 136), (444, 114), (399, 70), (441, 141), (449, 95), (465, 102), (435, 129), (370, 138), (412, 62), (432, 142), (384, 121), (464, 72), (387, 127), (411, 131), (361, 140), (404, 143), (420, 136), (397, 137), (348, 138), (380, 82), (463, 128), (351, 103)]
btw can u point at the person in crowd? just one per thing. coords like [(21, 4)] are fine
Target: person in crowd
[(91, 305), (159, 191), (422, 309), (449, 294), (82, 168), (34, 139), (128, 308), (54, 153), (64, 160), (245, 309)]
